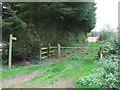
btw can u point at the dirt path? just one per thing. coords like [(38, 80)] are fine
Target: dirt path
[(12, 82), (68, 83), (15, 81), (63, 84)]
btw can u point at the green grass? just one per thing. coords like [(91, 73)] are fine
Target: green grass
[(71, 68), (8, 73), (65, 69), (93, 45)]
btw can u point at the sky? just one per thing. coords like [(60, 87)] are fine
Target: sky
[(106, 13)]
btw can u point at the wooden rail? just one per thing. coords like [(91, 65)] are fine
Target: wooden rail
[(74, 47), (46, 52), (44, 48), (54, 47)]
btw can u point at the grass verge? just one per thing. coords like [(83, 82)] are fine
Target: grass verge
[(8, 73)]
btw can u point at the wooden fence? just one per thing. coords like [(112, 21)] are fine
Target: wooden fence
[(46, 52)]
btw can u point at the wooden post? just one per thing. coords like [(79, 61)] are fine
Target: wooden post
[(10, 49), (101, 53), (40, 53), (48, 50), (58, 50)]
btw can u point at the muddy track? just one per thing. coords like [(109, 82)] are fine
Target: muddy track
[(12, 82)]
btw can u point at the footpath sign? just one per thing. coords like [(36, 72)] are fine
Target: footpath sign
[(10, 49)]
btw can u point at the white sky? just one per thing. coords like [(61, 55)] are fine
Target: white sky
[(106, 13)]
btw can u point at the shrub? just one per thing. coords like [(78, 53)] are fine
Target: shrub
[(107, 33), (109, 47), (78, 39), (91, 80), (107, 76), (38, 62), (109, 69)]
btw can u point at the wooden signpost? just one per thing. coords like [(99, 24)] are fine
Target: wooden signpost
[(10, 49)]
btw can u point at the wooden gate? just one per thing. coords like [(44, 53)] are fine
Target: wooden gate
[(46, 52)]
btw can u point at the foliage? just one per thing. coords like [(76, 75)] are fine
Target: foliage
[(109, 41), (107, 34), (38, 62), (107, 76), (109, 69), (108, 73), (78, 39), (94, 34), (89, 81), (109, 47), (38, 24), (4, 55), (12, 23), (5, 62)]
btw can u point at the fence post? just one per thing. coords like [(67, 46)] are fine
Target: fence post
[(48, 50), (101, 53), (40, 53), (58, 50)]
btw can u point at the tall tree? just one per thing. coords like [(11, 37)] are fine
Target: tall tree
[(37, 24)]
